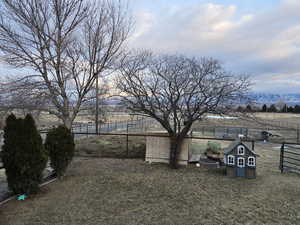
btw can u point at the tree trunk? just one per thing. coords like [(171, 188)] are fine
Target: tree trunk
[(175, 148), (67, 122)]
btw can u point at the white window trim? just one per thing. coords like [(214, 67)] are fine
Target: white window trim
[(240, 166), (254, 163), (228, 159), (239, 148)]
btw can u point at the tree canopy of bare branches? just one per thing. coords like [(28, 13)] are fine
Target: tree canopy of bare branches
[(66, 43), (177, 91), (23, 94)]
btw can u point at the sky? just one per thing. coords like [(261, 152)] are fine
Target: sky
[(260, 38)]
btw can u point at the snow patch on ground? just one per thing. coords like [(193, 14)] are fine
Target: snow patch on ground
[(222, 117)]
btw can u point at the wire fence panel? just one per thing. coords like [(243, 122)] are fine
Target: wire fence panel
[(274, 135), (289, 158)]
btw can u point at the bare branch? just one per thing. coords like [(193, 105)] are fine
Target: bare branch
[(68, 43)]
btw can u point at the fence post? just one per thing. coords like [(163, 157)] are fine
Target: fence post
[(127, 151), (281, 157), (298, 134), (87, 130)]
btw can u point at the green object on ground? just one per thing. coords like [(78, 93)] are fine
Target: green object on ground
[(213, 147), (22, 197)]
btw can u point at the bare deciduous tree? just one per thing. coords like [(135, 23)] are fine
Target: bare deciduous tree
[(177, 91), (68, 43), (25, 95)]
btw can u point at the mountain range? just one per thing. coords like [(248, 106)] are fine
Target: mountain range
[(269, 98), (259, 98)]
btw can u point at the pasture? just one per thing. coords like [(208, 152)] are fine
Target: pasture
[(110, 191)]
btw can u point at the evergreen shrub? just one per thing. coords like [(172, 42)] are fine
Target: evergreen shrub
[(23, 155), (60, 147)]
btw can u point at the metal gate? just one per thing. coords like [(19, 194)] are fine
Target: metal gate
[(289, 158)]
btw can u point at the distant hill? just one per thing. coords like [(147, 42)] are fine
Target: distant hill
[(260, 98), (267, 98)]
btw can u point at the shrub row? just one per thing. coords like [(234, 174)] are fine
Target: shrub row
[(25, 157)]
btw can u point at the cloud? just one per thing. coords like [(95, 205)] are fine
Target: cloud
[(264, 43), (278, 83)]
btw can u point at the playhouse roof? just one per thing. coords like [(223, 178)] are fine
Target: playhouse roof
[(234, 144)]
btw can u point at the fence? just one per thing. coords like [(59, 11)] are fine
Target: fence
[(289, 157), (279, 134)]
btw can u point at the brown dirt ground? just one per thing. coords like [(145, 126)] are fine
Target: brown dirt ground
[(129, 191)]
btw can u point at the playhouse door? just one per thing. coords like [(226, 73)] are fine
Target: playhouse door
[(240, 167)]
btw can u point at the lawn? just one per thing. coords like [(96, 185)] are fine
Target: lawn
[(129, 191)]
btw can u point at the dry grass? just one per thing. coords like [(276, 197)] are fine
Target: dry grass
[(111, 146), (277, 119), (279, 116), (118, 191)]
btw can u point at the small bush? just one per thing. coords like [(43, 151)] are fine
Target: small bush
[(60, 147), (23, 156)]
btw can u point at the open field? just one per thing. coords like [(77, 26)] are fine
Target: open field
[(129, 191), (258, 120), (49, 120), (292, 117)]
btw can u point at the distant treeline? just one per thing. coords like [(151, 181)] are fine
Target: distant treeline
[(271, 108)]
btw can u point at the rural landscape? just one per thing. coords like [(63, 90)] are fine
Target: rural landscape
[(138, 112)]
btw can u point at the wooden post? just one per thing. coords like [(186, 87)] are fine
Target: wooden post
[(281, 157)]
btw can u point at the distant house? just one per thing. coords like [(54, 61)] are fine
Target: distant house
[(239, 160)]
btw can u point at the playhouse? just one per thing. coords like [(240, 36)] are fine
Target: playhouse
[(240, 161)]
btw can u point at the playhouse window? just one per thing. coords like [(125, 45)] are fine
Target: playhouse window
[(251, 161), (241, 150), (241, 162), (230, 160)]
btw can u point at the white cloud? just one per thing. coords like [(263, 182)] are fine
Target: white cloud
[(144, 22), (265, 42)]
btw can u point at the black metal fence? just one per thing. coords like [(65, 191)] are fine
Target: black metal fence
[(289, 157)]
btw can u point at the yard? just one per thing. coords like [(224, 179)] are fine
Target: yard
[(129, 191)]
